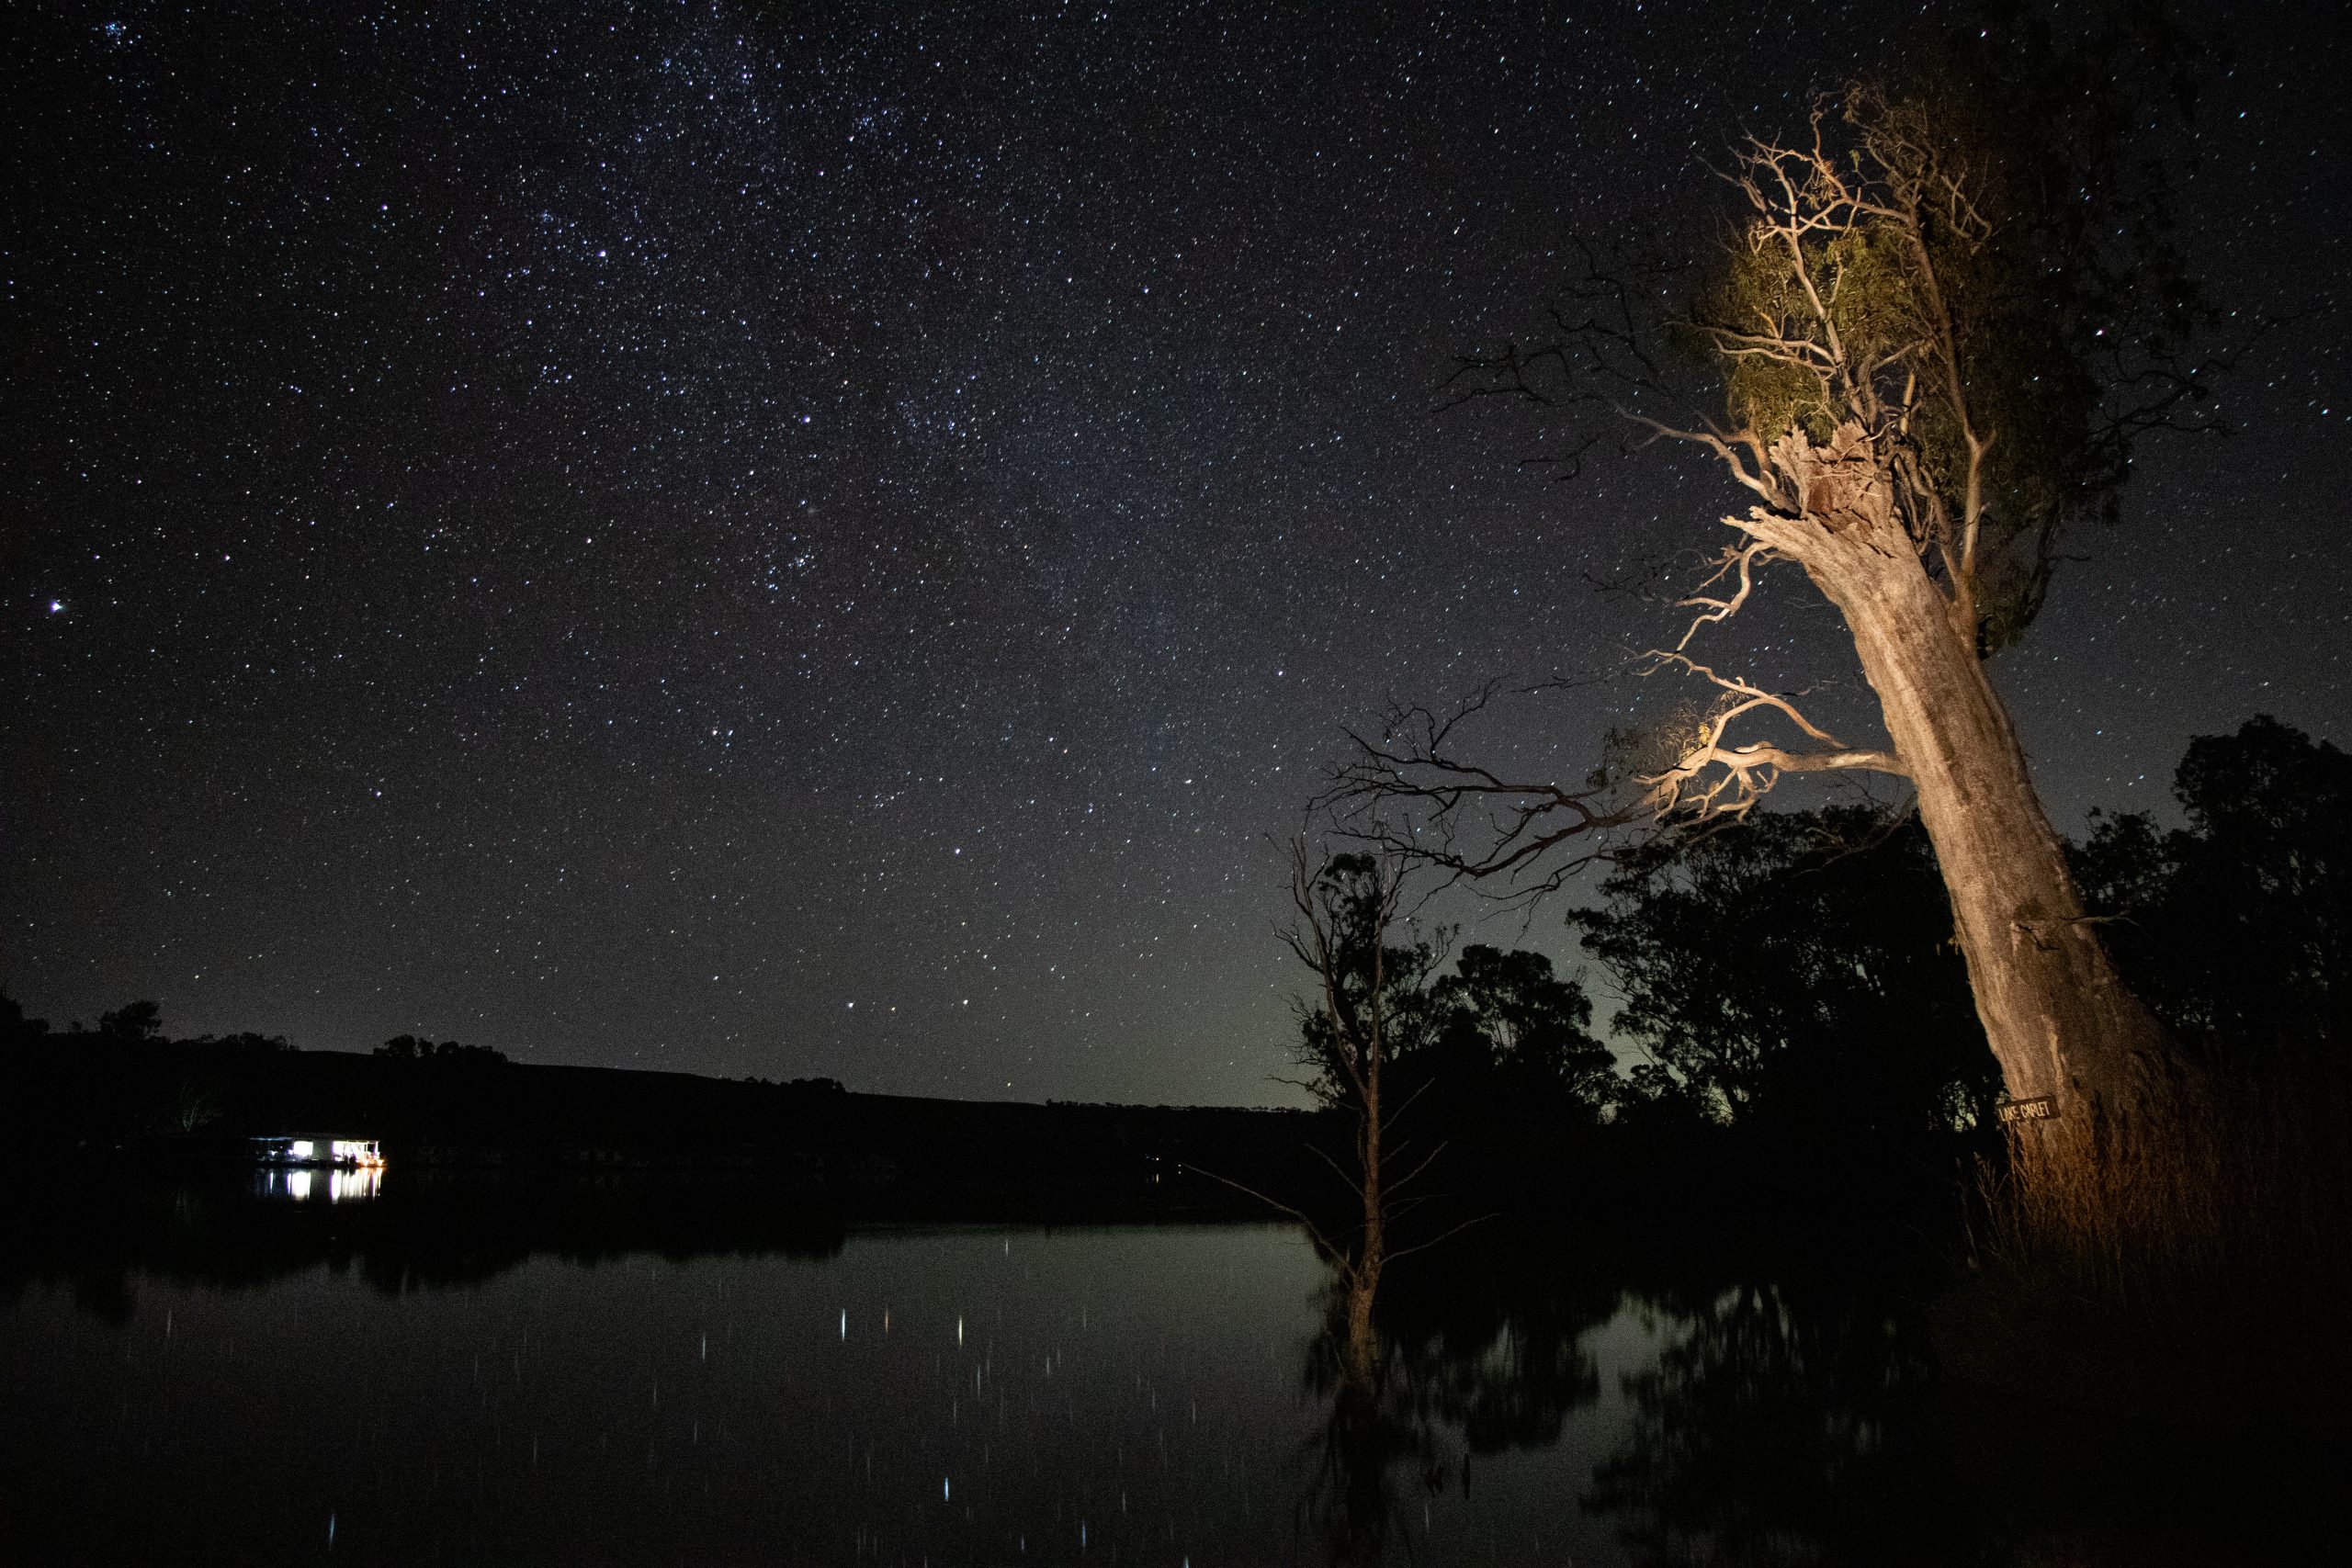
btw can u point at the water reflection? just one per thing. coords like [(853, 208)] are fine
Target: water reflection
[(105, 1228), (1539, 1406), (639, 1370), (1455, 1376), (337, 1184), (1784, 1426), (1350, 1495), (955, 1397)]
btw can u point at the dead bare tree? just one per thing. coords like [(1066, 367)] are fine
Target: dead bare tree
[(1920, 366), (1346, 908), (1363, 1009)]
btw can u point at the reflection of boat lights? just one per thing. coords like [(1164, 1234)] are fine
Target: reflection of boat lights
[(365, 1181), (342, 1183)]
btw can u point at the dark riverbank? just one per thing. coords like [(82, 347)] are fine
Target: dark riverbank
[(94, 1102), (85, 1100)]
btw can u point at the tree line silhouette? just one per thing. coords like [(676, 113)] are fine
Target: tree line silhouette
[(1790, 994)]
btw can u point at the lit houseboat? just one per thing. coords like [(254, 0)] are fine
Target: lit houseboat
[(344, 1152)]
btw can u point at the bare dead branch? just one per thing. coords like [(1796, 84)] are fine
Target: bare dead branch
[(1740, 562), (1275, 1203), (1441, 1236)]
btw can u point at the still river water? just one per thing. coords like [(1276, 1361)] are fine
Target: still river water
[(1158, 1396)]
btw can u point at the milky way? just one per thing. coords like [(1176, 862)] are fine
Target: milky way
[(663, 537)]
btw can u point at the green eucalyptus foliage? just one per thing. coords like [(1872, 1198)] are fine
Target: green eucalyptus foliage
[(2012, 259)]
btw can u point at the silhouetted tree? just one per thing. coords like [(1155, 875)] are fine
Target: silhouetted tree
[(1500, 1069), (2238, 927), (1801, 972), (411, 1048), (248, 1042), (134, 1020), (14, 1026), (1488, 1064), (1505, 1019)]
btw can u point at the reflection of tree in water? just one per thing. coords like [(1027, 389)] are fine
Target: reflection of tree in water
[(1782, 1428), (1475, 1354), (1351, 1492)]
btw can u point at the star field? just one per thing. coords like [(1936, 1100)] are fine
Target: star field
[(751, 542)]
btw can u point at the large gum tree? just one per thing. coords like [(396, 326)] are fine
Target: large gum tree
[(1930, 330)]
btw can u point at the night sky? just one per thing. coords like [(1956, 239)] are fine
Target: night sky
[(835, 540)]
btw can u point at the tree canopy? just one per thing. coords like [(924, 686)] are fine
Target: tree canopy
[(2237, 928), (132, 1020), (1799, 972), (1500, 1024), (411, 1048)]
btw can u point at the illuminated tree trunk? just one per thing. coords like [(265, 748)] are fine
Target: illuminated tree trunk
[(2072, 1041)]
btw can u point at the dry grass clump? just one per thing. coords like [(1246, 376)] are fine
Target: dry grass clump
[(2200, 1275)]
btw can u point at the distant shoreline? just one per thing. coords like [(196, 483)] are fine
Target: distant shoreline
[(194, 1103)]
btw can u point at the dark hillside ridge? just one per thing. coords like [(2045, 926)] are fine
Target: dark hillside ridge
[(879, 1154)]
